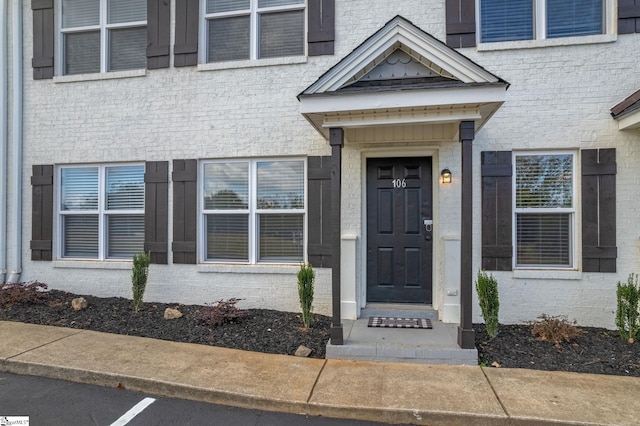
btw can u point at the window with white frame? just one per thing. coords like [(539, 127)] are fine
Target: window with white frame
[(101, 211), (253, 211), (253, 29), (544, 209), (509, 20), (102, 35)]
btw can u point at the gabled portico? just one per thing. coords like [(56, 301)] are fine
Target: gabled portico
[(397, 106)]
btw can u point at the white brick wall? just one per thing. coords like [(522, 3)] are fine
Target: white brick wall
[(559, 98)]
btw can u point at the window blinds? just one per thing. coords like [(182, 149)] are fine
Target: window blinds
[(281, 34), (503, 20), (567, 18)]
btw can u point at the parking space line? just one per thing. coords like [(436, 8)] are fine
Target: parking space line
[(137, 409)]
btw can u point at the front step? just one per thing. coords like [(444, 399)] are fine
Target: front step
[(398, 311), (422, 346)]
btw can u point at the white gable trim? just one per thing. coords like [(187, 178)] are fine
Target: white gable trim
[(401, 34), (629, 121)]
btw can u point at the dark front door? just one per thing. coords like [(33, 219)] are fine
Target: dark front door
[(399, 230)]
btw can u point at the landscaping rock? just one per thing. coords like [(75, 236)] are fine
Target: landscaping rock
[(79, 303), (303, 351), (171, 313)]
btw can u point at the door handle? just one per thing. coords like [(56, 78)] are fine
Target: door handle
[(428, 225)]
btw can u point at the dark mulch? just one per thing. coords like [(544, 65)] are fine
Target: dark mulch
[(262, 330), (596, 350)]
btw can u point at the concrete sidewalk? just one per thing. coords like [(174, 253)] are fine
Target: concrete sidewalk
[(384, 392)]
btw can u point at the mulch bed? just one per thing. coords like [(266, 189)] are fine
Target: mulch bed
[(595, 350)]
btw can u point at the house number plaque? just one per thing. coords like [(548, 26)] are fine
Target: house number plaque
[(399, 183)]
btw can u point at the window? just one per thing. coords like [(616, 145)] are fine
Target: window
[(544, 209), (509, 20), (102, 35), (253, 29), (101, 211), (253, 211)]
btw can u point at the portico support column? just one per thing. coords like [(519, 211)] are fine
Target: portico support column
[(466, 336), (336, 140)]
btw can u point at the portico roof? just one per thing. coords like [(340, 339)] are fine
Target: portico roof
[(627, 112), (402, 76)]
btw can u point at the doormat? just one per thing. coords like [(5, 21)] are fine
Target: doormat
[(388, 322)]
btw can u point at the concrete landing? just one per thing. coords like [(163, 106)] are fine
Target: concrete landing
[(417, 346)]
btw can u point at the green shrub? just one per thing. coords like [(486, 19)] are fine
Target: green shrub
[(139, 276), (306, 276), (487, 289), (221, 312), (627, 315)]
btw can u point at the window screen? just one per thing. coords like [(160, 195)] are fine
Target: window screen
[(505, 20), (567, 18)]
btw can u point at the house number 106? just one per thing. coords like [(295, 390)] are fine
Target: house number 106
[(399, 183)]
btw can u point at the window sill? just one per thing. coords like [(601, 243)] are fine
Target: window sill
[(92, 264), (549, 42), (248, 269), (547, 274), (100, 76), (288, 60)]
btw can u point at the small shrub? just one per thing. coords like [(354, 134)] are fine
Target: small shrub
[(221, 312), (487, 289), (19, 293), (627, 314), (554, 329), (139, 275), (306, 276)]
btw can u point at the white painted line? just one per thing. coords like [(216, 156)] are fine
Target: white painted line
[(137, 409)]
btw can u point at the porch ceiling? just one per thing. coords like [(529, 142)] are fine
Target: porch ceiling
[(418, 114)]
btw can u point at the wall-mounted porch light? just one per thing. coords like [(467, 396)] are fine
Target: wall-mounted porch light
[(446, 175)]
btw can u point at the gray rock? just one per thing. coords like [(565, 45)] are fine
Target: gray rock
[(171, 313), (303, 351), (79, 303)]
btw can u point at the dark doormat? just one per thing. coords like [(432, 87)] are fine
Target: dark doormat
[(388, 322)]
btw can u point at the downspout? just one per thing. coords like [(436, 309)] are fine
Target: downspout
[(16, 199), (4, 104)]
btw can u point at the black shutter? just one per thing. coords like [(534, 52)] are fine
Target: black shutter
[(321, 19), (185, 49), (628, 16), (461, 23), (158, 28), (184, 178), (42, 212), (497, 212), (156, 210), (599, 250), (43, 36), (319, 208)]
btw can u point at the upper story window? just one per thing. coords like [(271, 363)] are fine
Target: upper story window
[(101, 211), (102, 35), (253, 211), (253, 29), (510, 20), (544, 209)]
